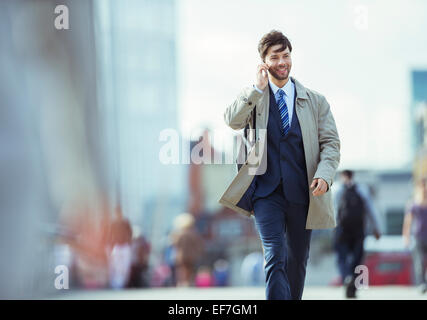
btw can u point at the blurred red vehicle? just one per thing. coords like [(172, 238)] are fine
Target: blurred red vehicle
[(388, 261)]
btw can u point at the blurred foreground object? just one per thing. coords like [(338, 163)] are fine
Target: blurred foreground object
[(51, 145)]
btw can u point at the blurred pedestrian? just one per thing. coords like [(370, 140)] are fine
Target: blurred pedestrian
[(189, 246), (416, 219), (354, 208), (86, 231), (120, 258), (170, 260), (140, 257), (221, 272)]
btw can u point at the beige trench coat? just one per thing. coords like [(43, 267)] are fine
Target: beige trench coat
[(321, 147)]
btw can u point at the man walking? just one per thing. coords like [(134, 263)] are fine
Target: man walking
[(354, 210), (296, 147)]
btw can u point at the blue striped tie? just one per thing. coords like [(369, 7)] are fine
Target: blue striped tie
[(283, 110)]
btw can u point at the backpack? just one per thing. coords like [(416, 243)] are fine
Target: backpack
[(351, 212)]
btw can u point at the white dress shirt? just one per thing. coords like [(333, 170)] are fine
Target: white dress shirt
[(289, 89)]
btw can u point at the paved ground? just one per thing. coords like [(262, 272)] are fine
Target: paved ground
[(242, 293)]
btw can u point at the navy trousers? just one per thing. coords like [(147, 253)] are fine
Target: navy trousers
[(285, 242)]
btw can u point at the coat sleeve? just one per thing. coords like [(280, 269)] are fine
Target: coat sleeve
[(329, 144), (237, 115)]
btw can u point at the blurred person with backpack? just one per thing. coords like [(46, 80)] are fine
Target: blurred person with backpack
[(354, 207)]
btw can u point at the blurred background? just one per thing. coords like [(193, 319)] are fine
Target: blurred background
[(83, 116)]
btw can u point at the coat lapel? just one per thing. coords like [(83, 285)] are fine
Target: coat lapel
[(306, 123)]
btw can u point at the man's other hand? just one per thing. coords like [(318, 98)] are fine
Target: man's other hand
[(320, 186)]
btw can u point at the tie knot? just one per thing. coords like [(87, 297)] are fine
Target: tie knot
[(281, 93)]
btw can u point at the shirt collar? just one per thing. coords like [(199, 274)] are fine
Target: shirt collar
[(288, 88)]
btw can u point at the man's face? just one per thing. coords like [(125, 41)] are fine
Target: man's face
[(280, 62), (345, 179)]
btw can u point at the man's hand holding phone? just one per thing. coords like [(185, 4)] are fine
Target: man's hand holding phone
[(262, 76)]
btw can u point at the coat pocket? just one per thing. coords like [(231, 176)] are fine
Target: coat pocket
[(246, 200)]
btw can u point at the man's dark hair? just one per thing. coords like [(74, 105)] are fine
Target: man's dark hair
[(271, 39), (348, 173)]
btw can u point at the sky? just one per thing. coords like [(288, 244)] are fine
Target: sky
[(358, 54)]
